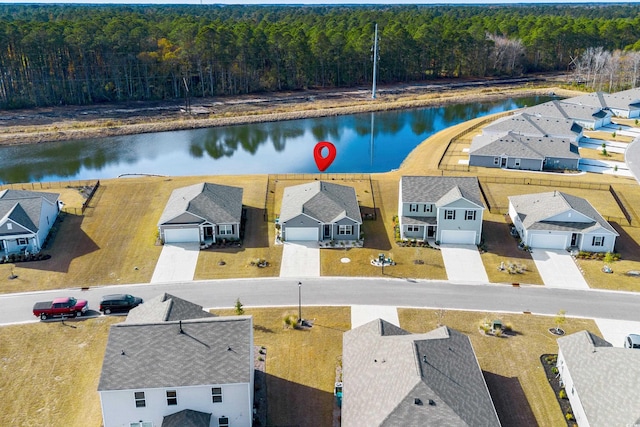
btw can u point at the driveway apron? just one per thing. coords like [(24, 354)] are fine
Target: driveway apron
[(300, 259), (177, 263), (463, 263), (558, 269), (361, 314), (615, 331)]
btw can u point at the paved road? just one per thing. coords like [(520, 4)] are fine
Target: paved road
[(16, 308)]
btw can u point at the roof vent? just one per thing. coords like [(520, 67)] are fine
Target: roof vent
[(229, 349), (180, 325), (122, 353), (432, 402), (424, 358), (417, 401)]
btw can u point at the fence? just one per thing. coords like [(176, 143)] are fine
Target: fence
[(37, 186)]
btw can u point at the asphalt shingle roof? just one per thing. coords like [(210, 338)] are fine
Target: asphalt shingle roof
[(324, 201), (625, 100), (565, 110), (606, 379), (438, 189), (24, 207), (166, 308), (215, 350), (531, 125), (390, 378), (535, 209), (525, 147), (217, 204)]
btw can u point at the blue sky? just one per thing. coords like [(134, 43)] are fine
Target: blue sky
[(322, 2)]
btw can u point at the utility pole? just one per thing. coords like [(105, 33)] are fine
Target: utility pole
[(375, 62)]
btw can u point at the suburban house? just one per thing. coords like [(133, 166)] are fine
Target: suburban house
[(516, 151), (589, 117), (556, 220), (26, 217), (320, 211), (169, 372), (531, 125), (447, 209), (202, 213), (394, 378), (166, 308), (625, 104), (601, 381)]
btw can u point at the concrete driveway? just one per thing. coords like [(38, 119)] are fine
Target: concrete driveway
[(558, 269), (463, 263), (177, 263), (300, 259), (615, 331)]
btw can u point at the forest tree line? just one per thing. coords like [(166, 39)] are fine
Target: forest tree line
[(68, 54)]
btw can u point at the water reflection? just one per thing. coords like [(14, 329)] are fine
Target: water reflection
[(370, 142)]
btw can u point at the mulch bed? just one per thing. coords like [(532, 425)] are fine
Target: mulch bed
[(548, 363)]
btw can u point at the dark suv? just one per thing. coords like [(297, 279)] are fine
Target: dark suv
[(118, 303)]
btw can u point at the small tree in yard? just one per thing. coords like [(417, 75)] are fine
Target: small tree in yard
[(238, 307), (560, 319)]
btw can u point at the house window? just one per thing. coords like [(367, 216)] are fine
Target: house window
[(139, 397), (449, 214), (141, 424), (345, 229), (426, 208), (216, 394), (597, 241), (225, 229), (223, 422), (22, 241), (172, 397), (516, 162), (496, 160), (470, 215), (413, 207), (413, 228)]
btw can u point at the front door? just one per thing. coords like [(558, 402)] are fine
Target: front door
[(503, 162), (327, 231), (431, 231), (574, 239)]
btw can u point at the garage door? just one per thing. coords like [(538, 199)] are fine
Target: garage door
[(182, 235), (459, 237), (548, 241), (302, 233)]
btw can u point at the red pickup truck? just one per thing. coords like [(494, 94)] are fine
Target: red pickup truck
[(67, 306)]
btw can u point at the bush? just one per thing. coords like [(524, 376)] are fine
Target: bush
[(570, 416), (554, 370), (562, 394)]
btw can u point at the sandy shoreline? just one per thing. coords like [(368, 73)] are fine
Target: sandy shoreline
[(79, 123)]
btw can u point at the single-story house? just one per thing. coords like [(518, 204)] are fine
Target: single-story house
[(601, 381), (166, 308), (556, 220), (26, 218), (514, 151), (164, 372), (447, 209), (589, 117), (320, 211), (532, 125), (202, 213), (625, 104), (391, 377)]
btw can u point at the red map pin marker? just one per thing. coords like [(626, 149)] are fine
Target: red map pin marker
[(324, 162)]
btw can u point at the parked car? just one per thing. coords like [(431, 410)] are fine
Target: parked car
[(632, 341), (59, 307), (119, 303)]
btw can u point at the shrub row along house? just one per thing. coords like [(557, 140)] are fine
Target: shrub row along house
[(547, 136), (447, 210)]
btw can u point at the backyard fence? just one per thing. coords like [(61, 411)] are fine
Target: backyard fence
[(53, 185)]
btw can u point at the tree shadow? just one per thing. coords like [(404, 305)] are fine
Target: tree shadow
[(509, 400), (68, 242), (626, 246), (256, 231), (293, 404)]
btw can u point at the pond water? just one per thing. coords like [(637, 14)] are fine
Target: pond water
[(371, 142)]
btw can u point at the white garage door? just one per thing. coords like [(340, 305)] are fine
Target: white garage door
[(548, 241), (459, 237), (182, 235), (302, 233)]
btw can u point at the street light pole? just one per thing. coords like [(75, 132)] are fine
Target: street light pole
[(300, 302)]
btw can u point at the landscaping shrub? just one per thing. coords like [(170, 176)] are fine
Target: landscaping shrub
[(562, 394)]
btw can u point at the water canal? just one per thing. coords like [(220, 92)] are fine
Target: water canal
[(371, 142)]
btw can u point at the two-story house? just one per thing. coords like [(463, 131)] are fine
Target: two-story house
[(446, 209)]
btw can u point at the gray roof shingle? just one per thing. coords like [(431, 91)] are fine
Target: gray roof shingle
[(217, 204), (187, 418), (525, 147), (605, 378), (166, 308), (438, 189), (625, 100), (323, 201), (385, 369), (25, 207), (215, 350), (565, 110), (531, 125), (535, 209)]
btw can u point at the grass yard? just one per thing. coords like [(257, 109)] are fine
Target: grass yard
[(511, 366), (50, 372), (589, 153)]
